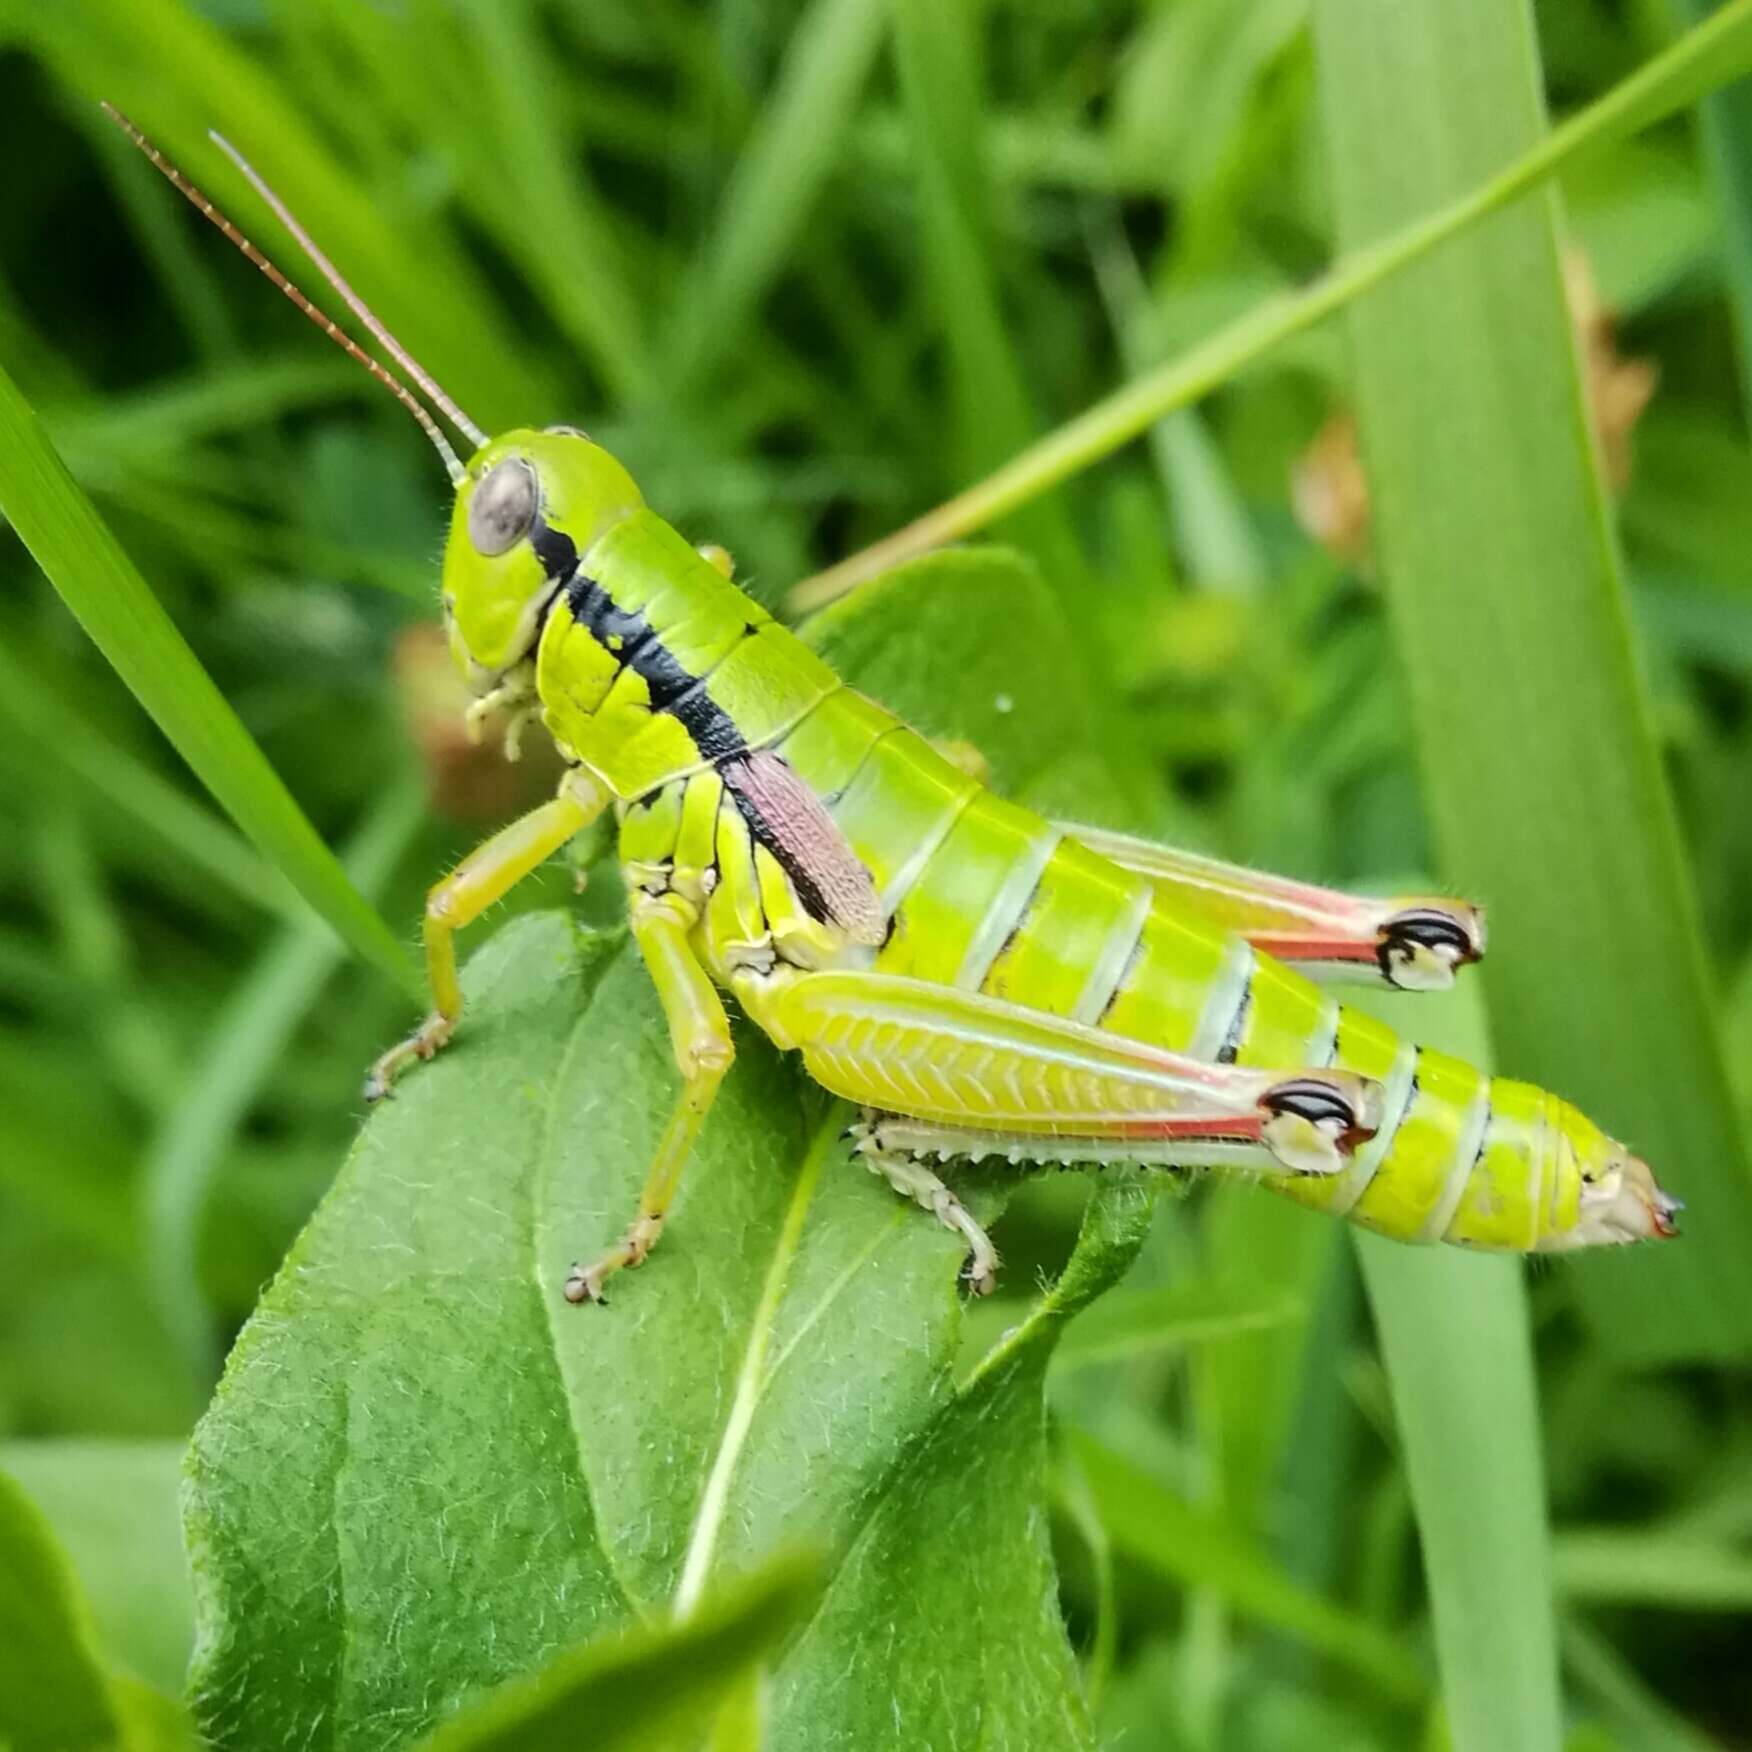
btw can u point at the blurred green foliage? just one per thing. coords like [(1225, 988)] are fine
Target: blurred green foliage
[(807, 265)]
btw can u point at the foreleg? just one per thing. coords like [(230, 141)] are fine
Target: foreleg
[(486, 875)]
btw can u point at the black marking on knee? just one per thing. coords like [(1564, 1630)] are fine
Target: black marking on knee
[(1421, 927), (1312, 1100)]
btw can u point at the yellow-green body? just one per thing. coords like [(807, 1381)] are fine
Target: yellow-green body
[(988, 897), (661, 680)]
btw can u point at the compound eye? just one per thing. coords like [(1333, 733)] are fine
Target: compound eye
[(502, 510)]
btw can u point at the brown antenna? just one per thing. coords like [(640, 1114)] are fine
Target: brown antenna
[(355, 303), (345, 342)]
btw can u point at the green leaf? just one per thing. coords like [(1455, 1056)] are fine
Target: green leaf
[(425, 1473), (1710, 55), (1456, 1339), (654, 1687), (53, 1695), (1494, 534), (113, 1505), (100, 584)]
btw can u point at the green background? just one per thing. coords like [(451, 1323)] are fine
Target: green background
[(809, 269)]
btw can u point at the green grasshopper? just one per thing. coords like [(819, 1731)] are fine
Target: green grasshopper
[(979, 981)]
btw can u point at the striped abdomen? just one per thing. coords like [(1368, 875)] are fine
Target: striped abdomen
[(988, 897)]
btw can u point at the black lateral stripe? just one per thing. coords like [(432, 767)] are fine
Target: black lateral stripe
[(630, 638), (556, 550)]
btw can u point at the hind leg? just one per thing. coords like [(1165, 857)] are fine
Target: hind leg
[(911, 1178)]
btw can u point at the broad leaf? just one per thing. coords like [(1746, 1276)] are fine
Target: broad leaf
[(425, 1473)]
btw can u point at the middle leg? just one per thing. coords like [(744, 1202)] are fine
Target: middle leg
[(700, 1036)]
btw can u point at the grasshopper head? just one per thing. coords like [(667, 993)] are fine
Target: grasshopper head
[(527, 505)]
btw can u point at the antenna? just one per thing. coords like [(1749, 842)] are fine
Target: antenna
[(355, 303), (345, 342)]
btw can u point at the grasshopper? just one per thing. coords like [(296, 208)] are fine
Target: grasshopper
[(977, 980)]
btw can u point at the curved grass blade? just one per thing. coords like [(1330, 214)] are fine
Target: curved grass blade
[(794, 146), (654, 1688), (1189, 1546), (1455, 1337), (244, 1042), (113, 1507), (178, 75), (1705, 58), (1495, 537), (114, 604), (52, 1689)]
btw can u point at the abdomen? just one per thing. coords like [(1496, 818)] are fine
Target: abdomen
[(986, 896)]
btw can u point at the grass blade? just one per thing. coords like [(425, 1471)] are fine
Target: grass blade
[(1711, 55), (178, 75), (794, 148), (942, 80), (52, 1689), (1726, 121), (246, 1040), (113, 1507), (1175, 1540), (1455, 1337), (114, 604), (1494, 534), (125, 786), (1673, 1572), (1133, 1323), (1454, 1331)]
